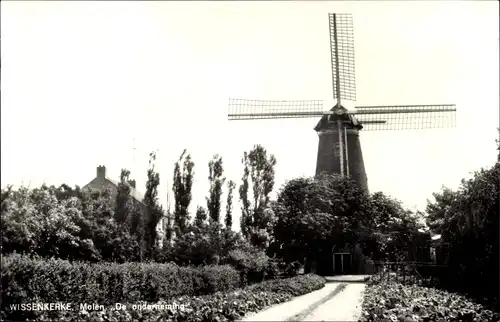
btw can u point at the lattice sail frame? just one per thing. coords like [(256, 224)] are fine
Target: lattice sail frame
[(373, 118), (245, 109), (342, 56), (406, 117)]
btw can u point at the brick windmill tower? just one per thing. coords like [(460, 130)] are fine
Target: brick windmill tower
[(339, 149)]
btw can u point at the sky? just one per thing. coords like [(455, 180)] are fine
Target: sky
[(105, 83)]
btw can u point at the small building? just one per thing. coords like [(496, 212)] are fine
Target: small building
[(101, 182)]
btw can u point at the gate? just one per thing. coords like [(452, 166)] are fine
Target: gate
[(406, 271)]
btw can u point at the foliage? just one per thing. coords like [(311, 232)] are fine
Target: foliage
[(388, 301), (397, 232), (259, 167), (216, 181), (196, 247), (35, 221), (316, 214), (122, 197), (221, 306), (183, 182), (468, 221), (204, 243), (200, 219), (313, 214), (26, 280), (229, 204), (136, 224), (294, 286), (251, 263), (154, 211)]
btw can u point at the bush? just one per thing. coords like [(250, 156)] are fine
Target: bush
[(294, 286), (221, 306), (291, 269), (67, 224), (251, 264), (272, 269), (26, 279), (393, 301)]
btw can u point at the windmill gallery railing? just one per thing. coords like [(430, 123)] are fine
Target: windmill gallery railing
[(406, 271)]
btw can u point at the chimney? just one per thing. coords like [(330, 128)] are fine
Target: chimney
[(132, 183), (101, 171)]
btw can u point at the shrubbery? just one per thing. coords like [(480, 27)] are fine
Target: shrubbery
[(27, 279), (393, 301), (468, 222), (65, 223), (221, 306)]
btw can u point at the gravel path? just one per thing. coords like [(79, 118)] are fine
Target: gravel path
[(287, 310), (334, 302), (345, 306)]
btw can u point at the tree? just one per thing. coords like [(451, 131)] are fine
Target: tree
[(216, 180), (183, 182), (259, 167), (136, 222), (396, 232), (229, 204), (111, 240), (468, 221), (154, 211), (315, 214), (65, 192), (170, 220), (439, 209), (38, 221), (122, 197), (200, 218)]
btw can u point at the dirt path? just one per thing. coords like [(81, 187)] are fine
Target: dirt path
[(345, 306), (284, 311), (339, 300)]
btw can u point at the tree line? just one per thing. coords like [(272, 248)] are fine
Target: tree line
[(309, 216), (75, 224)]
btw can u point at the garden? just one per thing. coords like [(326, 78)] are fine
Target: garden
[(69, 245), (415, 300)]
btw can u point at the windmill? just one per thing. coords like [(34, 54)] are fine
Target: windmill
[(339, 148)]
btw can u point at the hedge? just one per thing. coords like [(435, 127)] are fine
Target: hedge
[(27, 279), (220, 306)]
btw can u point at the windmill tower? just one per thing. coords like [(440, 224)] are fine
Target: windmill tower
[(339, 148)]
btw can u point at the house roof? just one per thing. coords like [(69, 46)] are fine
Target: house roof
[(133, 192)]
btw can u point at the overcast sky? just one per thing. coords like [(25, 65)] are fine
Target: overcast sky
[(81, 80)]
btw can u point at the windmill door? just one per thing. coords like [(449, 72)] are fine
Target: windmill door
[(342, 263)]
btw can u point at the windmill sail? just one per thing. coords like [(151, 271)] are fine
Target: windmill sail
[(406, 117), (339, 148), (246, 109), (342, 56)]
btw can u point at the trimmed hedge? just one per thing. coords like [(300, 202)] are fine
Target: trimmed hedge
[(26, 279), (221, 306)]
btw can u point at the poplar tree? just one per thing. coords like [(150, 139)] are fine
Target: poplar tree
[(183, 183), (216, 180)]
